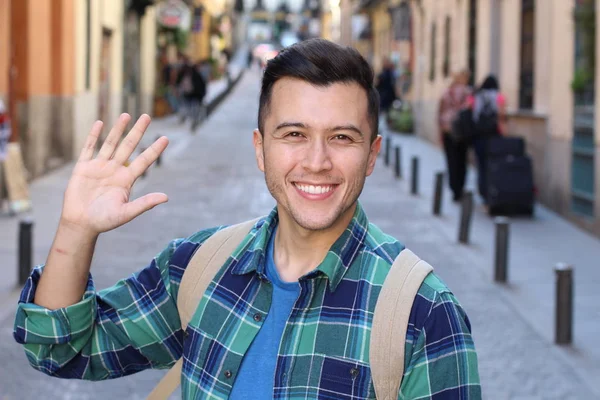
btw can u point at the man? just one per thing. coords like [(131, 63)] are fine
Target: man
[(452, 101), (386, 86), (287, 317)]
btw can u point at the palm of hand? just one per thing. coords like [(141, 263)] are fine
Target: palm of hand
[(97, 196), (97, 193)]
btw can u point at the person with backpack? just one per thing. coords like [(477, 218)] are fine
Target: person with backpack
[(310, 301), (488, 106), (455, 147)]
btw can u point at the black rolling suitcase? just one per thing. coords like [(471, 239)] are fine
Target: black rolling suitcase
[(511, 189)]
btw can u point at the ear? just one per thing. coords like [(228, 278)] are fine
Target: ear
[(375, 148), (258, 141)]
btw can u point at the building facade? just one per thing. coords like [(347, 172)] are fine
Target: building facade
[(543, 53), (63, 66)]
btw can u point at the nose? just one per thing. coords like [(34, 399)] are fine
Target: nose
[(317, 157)]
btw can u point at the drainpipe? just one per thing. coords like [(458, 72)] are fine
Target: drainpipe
[(495, 37)]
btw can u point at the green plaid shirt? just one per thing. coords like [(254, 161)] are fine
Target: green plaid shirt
[(324, 349)]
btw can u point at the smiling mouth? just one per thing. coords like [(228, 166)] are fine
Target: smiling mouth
[(314, 189)]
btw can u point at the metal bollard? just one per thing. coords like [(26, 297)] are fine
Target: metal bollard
[(414, 185), (501, 256), (25, 249), (388, 144), (159, 159), (564, 303), (437, 199), (398, 163), (466, 215)]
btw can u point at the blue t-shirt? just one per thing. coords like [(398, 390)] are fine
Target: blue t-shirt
[(257, 371)]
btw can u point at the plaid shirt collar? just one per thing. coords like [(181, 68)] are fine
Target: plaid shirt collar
[(335, 265)]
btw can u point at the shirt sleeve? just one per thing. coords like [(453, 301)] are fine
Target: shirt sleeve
[(131, 326), (443, 364)]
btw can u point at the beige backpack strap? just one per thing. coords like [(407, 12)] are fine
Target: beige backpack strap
[(390, 322), (200, 271)]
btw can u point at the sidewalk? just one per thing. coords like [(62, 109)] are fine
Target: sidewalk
[(536, 245), (46, 192)]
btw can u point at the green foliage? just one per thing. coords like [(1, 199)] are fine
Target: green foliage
[(401, 119), (181, 39), (585, 22), (177, 37), (581, 80)]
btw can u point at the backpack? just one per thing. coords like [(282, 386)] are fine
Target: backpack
[(390, 320), (486, 123), (463, 127)]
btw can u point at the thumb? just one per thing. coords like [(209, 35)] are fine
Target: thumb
[(141, 205)]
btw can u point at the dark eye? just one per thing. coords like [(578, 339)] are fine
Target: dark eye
[(294, 135), (342, 137)]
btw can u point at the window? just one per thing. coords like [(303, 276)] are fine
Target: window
[(583, 164), (432, 54), (447, 37), (527, 54), (472, 54), (401, 22)]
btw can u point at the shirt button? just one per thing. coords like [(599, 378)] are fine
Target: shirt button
[(186, 334), (228, 374), (354, 372), (257, 317)]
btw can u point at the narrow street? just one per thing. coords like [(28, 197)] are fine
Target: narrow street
[(212, 179)]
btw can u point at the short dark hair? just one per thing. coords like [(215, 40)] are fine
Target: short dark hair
[(321, 63), (490, 82)]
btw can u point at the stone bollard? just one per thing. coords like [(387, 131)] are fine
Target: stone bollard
[(388, 145), (501, 251), (25, 249), (398, 168), (437, 198), (466, 215), (564, 303), (414, 185), (145, 171), (159, 159)]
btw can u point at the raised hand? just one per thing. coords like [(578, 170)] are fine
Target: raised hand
[(97, 196)]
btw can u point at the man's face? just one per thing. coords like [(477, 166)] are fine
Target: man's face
[(316, 151)]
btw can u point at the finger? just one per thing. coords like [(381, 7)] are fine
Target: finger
[(128, 145), (90, 143), (142, 204), (110, 144), (148, 156)]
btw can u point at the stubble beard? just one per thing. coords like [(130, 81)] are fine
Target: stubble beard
[(278, 191)]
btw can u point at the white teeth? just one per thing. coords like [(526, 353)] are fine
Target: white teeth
[(311, 189)]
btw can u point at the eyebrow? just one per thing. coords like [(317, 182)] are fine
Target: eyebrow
[(348, 127)]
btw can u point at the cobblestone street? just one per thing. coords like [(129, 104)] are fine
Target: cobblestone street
[(212, 179)]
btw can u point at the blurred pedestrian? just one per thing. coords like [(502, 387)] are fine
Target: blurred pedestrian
[(386, 86), (249, 59), (452, 101), (192, 87), (489, 118), (169, 79)]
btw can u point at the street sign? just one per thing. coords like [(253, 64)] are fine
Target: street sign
[(174, 14)]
